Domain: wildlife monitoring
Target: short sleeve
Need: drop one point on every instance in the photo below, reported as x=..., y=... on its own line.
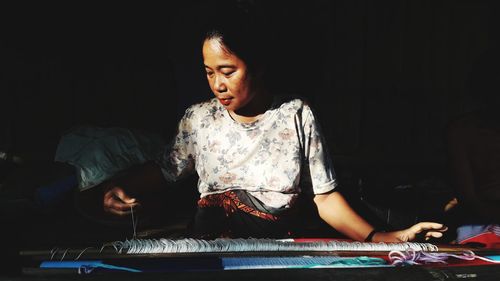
x=317, y=161
x=177, y=160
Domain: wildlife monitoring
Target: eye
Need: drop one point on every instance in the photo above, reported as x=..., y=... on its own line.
x=228, y=73
x=210, y=73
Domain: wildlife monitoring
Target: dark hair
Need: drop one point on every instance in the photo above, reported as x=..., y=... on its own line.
x=237, y=26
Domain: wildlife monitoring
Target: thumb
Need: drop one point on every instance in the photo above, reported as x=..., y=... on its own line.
x=120, y=194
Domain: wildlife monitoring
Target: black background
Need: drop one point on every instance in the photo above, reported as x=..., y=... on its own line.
x=385, y=77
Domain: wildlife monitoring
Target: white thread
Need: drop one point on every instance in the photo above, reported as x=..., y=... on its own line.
x=64, y=254
x=152, y=246
x=106, y=245
x=81, y=253
x=134, y=225
x=53, y=252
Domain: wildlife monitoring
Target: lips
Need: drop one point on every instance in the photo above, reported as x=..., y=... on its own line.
x=225, y=101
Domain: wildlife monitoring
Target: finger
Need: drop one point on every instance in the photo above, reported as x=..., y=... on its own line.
x=114, y=204
x=118, y=212
x=434, y=234
x=118, y=205
x=111, y=203
x=443, y=229
x=430, y=225
x=416, y=229
x=120, y=194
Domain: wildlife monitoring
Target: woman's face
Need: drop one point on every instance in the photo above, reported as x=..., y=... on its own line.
x=227, y=76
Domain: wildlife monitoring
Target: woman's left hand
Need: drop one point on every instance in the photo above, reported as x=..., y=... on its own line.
x=425, y=230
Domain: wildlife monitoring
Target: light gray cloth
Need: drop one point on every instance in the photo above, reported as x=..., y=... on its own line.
x=100, y=153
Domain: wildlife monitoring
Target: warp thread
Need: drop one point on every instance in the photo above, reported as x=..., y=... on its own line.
x=189, y=245
x=134, y=222
x=54, y=251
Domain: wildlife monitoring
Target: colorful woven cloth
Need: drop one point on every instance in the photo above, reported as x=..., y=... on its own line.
x=487, y=235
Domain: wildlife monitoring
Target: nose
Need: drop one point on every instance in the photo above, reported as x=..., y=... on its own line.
x=219, y=85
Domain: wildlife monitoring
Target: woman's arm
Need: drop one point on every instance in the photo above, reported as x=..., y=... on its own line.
x=334, y=210
x=176, y=162
x=122, y=193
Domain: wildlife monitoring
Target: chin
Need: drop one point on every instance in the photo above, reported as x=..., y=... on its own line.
x=233, y=107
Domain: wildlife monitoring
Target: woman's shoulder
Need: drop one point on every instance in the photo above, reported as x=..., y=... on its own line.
x=295, y=106
x=290, y=102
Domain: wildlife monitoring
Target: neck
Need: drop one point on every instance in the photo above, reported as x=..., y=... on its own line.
x=254, y=110
x=244, y=119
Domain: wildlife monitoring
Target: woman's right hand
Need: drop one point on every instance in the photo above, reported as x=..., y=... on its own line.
x=117, y=201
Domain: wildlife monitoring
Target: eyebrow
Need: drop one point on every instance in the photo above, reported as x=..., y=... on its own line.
x=223, y=66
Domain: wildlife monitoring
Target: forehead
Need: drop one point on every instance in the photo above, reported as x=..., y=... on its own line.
x=215, y=54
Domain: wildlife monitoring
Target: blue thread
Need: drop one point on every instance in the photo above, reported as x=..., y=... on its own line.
x=299, y=262
x=84, y=266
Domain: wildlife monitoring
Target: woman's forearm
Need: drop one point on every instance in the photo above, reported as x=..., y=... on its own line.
x=336, y=211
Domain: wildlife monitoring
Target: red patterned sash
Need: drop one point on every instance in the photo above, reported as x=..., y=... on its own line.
x=230, y=202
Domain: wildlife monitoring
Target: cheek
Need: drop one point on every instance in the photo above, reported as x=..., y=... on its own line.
x=239, y=91
x=242, y=86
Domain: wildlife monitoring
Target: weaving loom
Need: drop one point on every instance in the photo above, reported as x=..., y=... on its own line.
x=191, y=247
x=169, y=256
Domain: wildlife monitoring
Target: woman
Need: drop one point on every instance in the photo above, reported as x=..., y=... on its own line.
x=255, y=153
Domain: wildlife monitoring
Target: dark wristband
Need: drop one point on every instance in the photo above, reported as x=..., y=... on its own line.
x=370, y=236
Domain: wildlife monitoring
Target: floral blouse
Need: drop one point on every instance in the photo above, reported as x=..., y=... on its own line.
x=274, y=158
